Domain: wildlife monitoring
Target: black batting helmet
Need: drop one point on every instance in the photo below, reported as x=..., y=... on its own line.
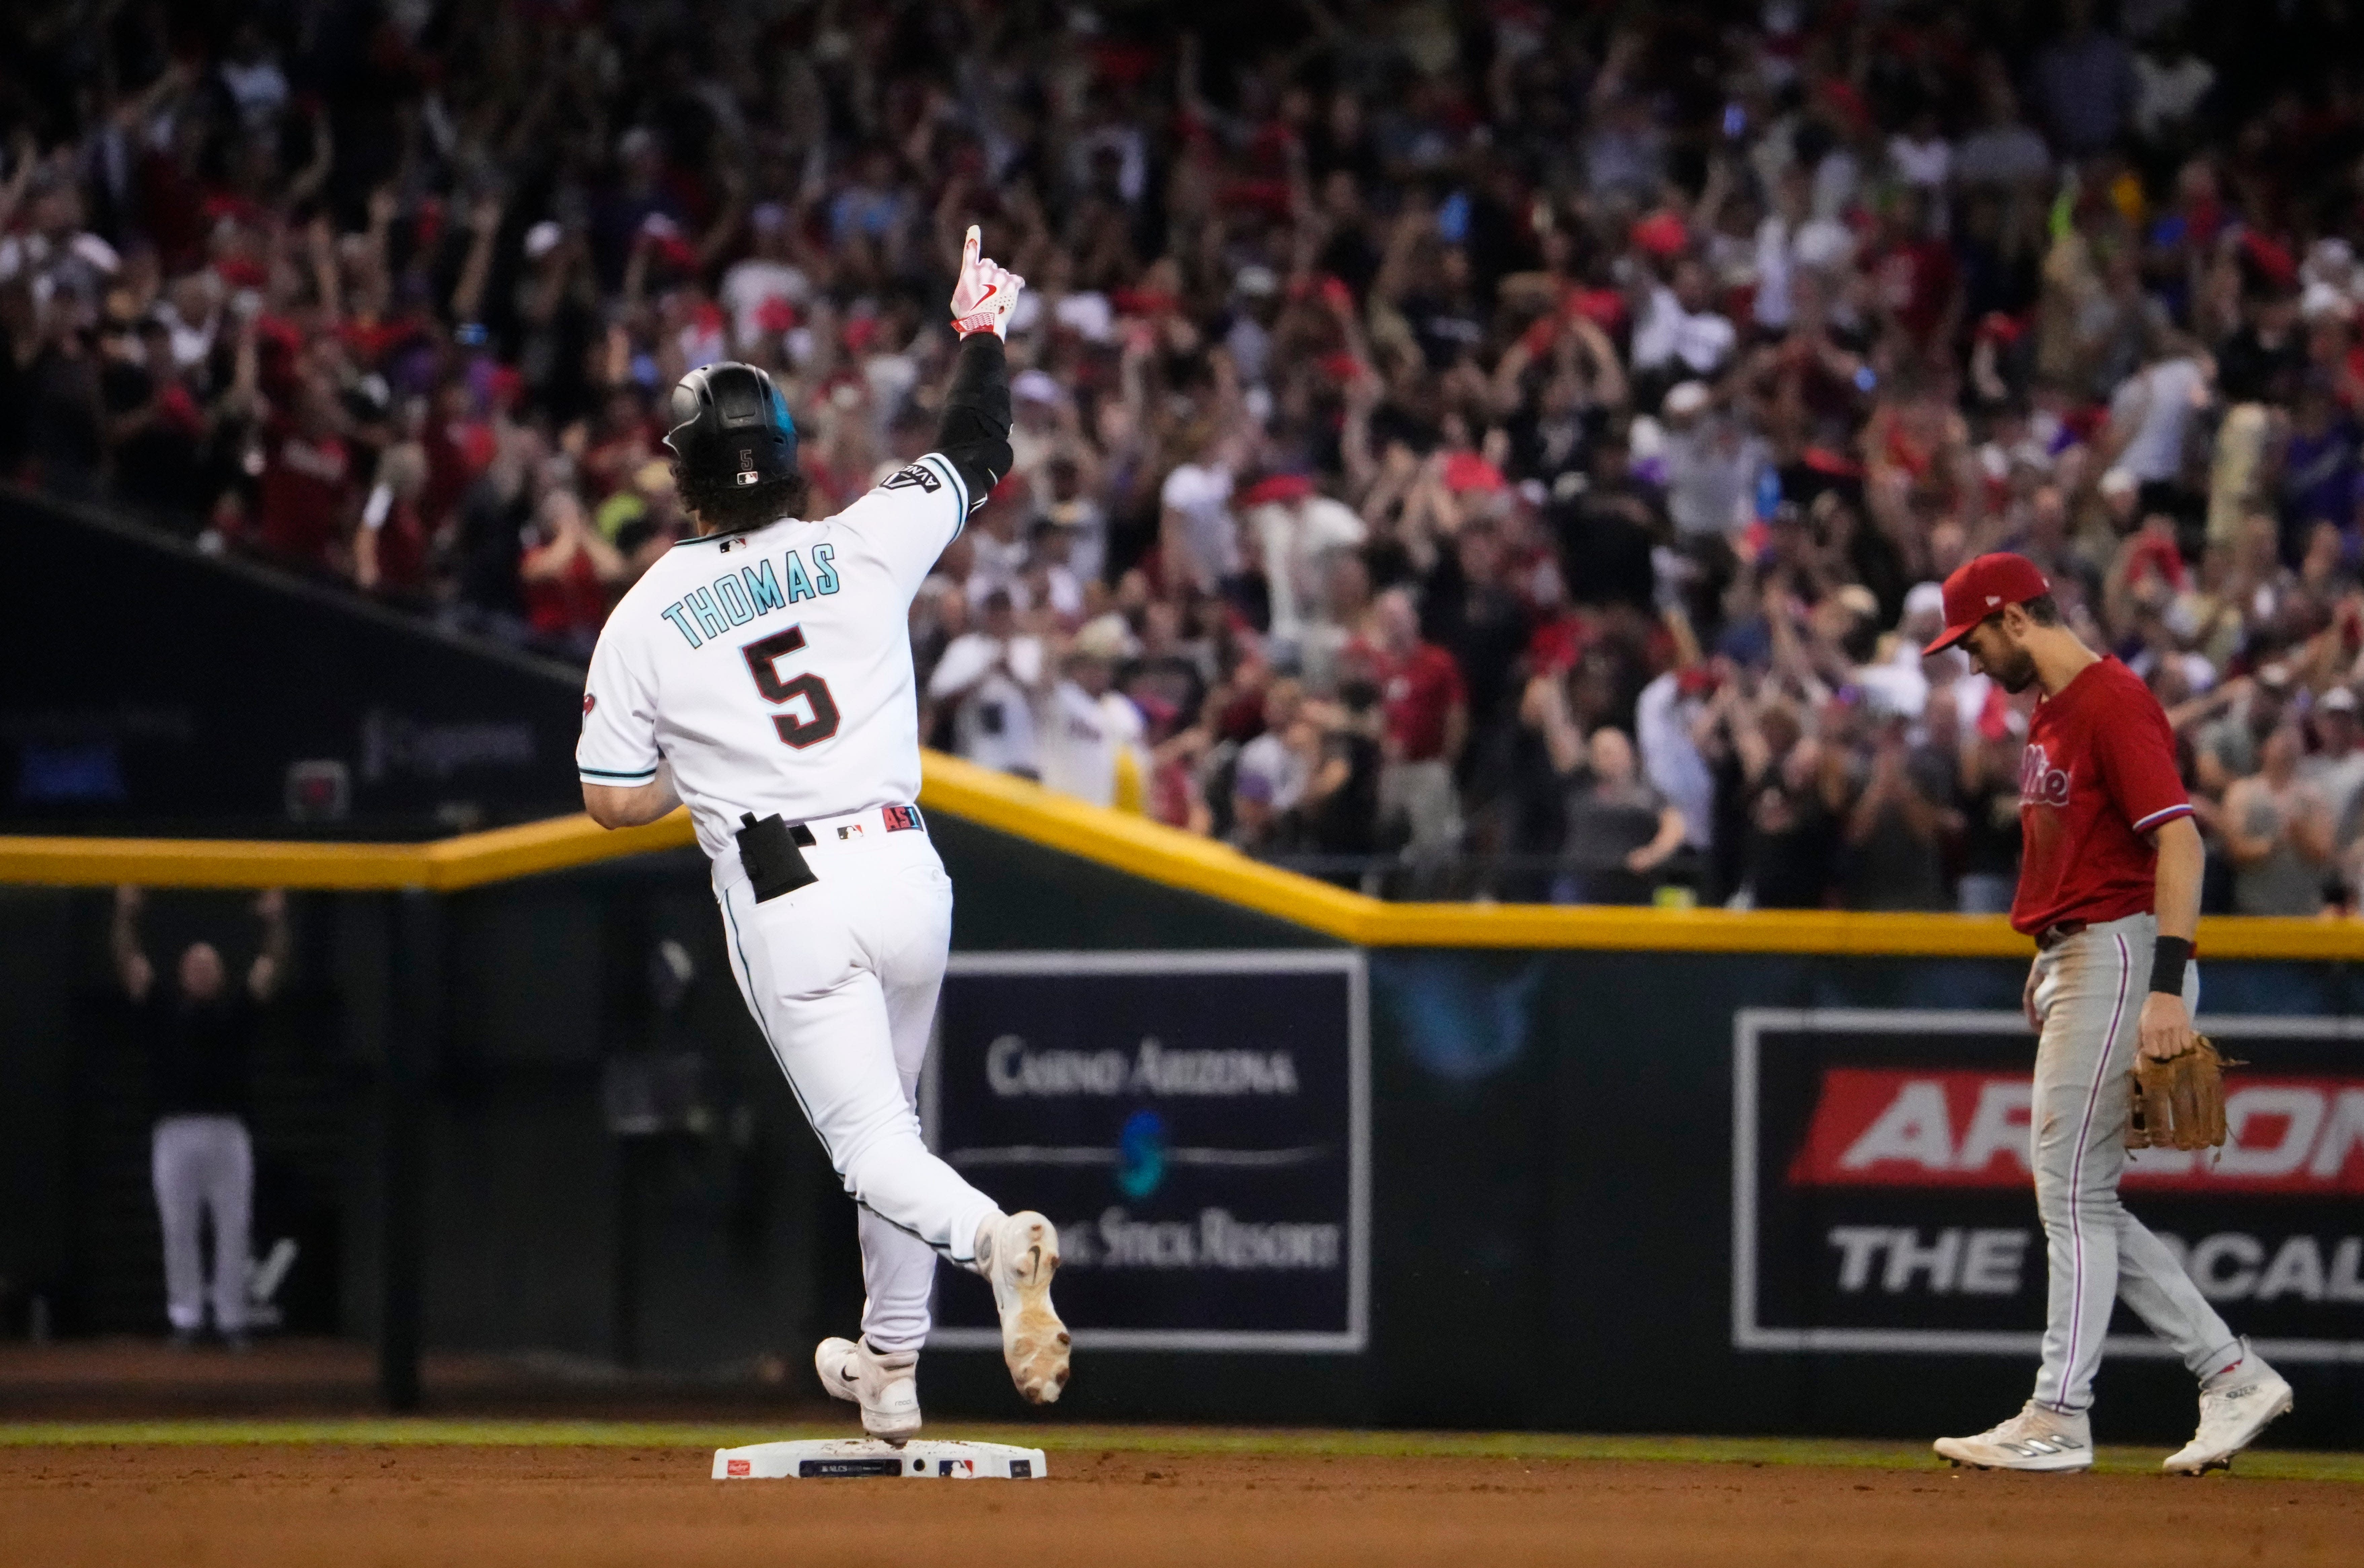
x=730, y=427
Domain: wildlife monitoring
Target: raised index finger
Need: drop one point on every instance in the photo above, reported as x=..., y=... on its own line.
x=969, y=249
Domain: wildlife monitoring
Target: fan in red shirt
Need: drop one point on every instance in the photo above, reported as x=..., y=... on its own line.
x=391, y=547
x=308, y=483
x=571, y=577
x=1425, y=701
x=1426, y=706
x=1914, y=278
x=2110, y=889
x=458, y=443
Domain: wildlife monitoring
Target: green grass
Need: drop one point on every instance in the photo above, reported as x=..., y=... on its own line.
x=2261, y=1464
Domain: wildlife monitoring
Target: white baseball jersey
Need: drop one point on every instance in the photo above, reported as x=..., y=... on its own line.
x=993, y=720
x=771, y=668
x=1085, y=740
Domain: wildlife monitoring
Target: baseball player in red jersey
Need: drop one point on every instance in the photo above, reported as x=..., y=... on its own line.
x=2109, y=887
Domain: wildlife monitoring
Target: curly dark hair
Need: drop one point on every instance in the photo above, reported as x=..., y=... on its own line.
x=727, y=507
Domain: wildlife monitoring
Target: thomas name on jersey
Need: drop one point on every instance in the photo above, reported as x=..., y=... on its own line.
x=737, y=597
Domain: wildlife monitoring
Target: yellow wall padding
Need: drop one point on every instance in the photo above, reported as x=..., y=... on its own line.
x=444, y=864
x=1127, y=842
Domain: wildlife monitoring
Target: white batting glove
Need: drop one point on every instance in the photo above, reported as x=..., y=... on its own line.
x=985, y=294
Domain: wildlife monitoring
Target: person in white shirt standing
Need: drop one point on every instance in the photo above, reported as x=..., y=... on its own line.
x=761, y=674
x=766, y=294
x=1297, y=529
x=2152, y=411
x=989, y=675
x=1091, y=734
x=1666, y=720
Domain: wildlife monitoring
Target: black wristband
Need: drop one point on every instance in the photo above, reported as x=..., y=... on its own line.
x=2167, y=962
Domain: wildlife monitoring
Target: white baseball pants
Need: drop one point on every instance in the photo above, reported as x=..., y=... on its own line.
x=199, y=1162
x=842, y=975
x=2089, y=993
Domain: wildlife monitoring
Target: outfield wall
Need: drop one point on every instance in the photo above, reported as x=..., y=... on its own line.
x=1593, y=1205
x=1551, y=1176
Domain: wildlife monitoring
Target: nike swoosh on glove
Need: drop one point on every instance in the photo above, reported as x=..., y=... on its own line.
x=986, y=293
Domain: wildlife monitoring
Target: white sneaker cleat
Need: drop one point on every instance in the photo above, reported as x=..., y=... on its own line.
x=2231, y=1418
x=2038, y=1438
x=885, y=1387
x=1018, y=1253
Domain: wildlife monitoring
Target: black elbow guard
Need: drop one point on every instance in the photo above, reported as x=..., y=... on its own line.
x=982, y=465
x=973, y=433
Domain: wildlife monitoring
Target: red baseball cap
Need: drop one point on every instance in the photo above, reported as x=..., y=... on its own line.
x=1277, y=487
x=1662, y=234
x=1979, y=588
x=1469, y=471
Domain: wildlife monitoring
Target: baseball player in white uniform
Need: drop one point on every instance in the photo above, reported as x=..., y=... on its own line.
x=761, y=675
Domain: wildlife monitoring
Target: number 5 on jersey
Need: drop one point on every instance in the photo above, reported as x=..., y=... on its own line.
x=763, y=657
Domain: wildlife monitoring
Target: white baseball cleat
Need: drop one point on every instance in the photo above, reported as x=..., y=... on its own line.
x=2038, y=1438
x=1019, y=1253
x=885, y=1387
x=2231, y=1418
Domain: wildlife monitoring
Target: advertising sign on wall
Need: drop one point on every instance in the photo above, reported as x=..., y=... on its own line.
x=1883, y=1200
x=1198, y=1126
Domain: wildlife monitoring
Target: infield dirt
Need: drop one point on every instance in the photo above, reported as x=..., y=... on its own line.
x=260, y=1505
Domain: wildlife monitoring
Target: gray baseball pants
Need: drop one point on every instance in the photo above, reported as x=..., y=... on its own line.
x=2089, y=993
x=200, y=1163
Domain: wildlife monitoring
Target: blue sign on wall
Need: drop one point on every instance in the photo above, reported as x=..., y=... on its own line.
x=1198, y=1126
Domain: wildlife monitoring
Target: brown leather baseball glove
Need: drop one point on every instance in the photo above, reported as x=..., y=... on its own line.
x=2178, y=1103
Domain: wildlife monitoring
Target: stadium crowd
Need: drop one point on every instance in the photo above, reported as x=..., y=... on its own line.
x=1471, y=449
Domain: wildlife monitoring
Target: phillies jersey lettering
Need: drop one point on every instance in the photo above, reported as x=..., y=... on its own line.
x=2039, y=781
x=2098, y=774
x=771, y=668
